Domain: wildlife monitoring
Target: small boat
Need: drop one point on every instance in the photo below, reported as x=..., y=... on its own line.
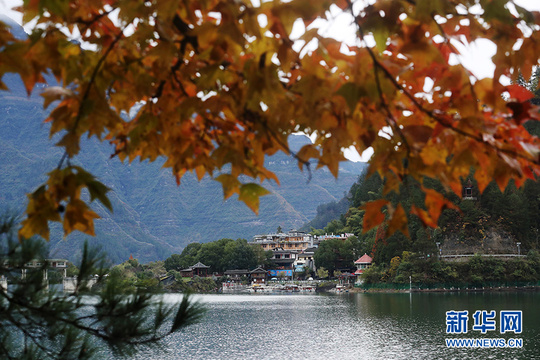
x=340, y=289
x=290, y=288
x=261, y=288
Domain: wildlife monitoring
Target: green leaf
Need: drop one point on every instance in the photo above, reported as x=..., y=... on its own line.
x=229, y=183
x=380, y=34
x=351, y=93
x=496, y=9
x=188, y=313
x=99, y=191
x=250, y=193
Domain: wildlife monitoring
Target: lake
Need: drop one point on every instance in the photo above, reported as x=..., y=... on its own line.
x=348, y=326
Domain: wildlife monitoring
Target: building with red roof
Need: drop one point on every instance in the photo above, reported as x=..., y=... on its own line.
x=362, y=264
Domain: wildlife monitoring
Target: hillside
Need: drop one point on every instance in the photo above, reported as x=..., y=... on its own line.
x=152, y=216
x=493, y=222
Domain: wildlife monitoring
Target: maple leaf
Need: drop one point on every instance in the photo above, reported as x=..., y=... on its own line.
x=373, y=215
x=398, y=221
x=78, y=216
x=230, y=184
x=250, y=194
x=64, y=187
x=53, y=93
x=215, y=87
x=424, y=216
x=520, y=111
x=41, y=209
x=519, y=93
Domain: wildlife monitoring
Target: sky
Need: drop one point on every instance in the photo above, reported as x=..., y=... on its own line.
x=476, y=57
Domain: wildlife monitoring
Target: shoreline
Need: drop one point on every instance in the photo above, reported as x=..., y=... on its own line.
x=443, y=290
x=355, y=290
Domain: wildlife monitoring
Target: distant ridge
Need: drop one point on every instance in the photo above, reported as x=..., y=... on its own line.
x=152, y=216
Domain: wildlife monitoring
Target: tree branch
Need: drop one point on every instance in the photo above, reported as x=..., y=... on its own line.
x=431, y=114
x=89, y=86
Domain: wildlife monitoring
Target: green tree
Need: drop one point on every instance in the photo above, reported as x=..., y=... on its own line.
x=328, y=212
x=39, y=323
x=334, y=227
x=367, y=188
x=333, y=254
x=187, y=258
x=173, y=262
x=214, y=254
x=352, y=249
x=327, y=254
x=262, y=257
x=72, y=270
x=240, y=255
x=394, y=265
x=322, y=273
x=354, y=218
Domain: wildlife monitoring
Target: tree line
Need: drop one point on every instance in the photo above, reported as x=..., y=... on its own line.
x=218, y=89
x=515, y=212
x=220, y=255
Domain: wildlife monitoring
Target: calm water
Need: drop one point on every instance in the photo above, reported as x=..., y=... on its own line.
x=351, y=326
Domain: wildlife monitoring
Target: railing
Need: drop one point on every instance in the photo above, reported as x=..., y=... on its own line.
x=486, y=285
x=233, y=287
x=482, y=255
x=70, y=283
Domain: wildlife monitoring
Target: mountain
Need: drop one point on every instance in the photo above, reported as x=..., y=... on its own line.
x=152, y=216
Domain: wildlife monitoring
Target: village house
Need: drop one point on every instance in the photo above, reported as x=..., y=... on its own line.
x=258, y=276
x=305, y=259
x=362, y=264
x=293, y=240
x=46, y=264
x=236, y=276
x=319, y=238
x=51, y=263
x=199, y=269
x=284, y=259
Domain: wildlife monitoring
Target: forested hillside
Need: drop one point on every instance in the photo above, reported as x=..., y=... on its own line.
x=153, y=217
x=489, y=223
x=492, y=222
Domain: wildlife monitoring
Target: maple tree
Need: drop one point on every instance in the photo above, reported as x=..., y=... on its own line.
x=219, y=84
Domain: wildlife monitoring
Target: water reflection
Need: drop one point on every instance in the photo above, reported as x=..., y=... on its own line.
x=353, y=326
